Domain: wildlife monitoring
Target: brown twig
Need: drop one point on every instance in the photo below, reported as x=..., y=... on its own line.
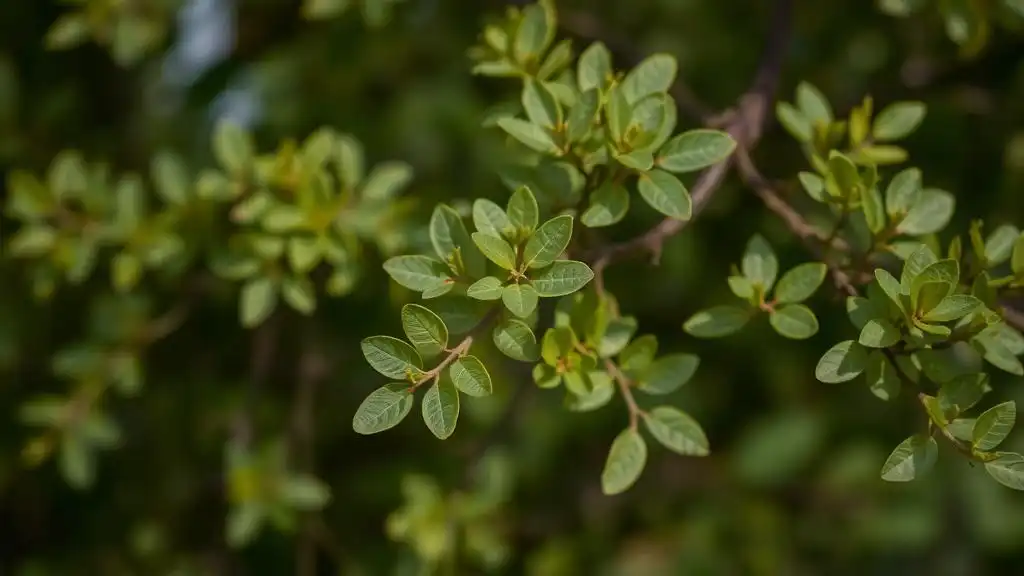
x=745, y=124
x=625, y=387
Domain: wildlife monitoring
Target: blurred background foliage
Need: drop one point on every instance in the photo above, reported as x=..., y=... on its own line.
x=792, y=484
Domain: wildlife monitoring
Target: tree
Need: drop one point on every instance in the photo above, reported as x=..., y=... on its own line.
x=182, y=320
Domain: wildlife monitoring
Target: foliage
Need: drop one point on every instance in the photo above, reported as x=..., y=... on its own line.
x=457, y=300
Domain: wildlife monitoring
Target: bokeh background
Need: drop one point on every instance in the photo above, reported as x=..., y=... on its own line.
x=792, y=485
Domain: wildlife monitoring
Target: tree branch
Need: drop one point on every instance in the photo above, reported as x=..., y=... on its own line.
x=745, y=124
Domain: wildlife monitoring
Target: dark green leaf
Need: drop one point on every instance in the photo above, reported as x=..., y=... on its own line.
x=668, y=373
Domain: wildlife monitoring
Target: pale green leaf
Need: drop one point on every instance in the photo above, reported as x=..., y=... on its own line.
x=470, y=376
x=257, y=300
x=496, y=250
x=530, y=135
x=561, y=278
x=677, y=431
x=608, y=205
x=794, y=321
x=392, y=357
x=520, y=299
x=425, y=330
x=490, y=219
x=695, y=149
x=420, y=273
x=523, y=211
x=902, y=192
x=717, y=321
x=800, y=282
x=625, y=463
x=879, y=333
x=843, y=362
x=441, y=408
x=548, y=242
x=1008, y=470
x=994, y=424
x=668, y=373
x=897, y=120
x=540, y=104
x=515, y=339
x=911, y=459
x=759, y=263
x=929, y=214
x=655, y=74
x=486, y=288
x=666, y=194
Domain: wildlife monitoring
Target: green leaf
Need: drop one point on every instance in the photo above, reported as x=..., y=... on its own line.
x=243, y=524
x=77, y=462
x=911, y=459
x=843, y=362
x=794, y=321
x=546, y=376
x=638, y=356
x=496, y=250
x=953, y=308
x=532, y=35
x=520, y=299
x=470, y=376
x=625, y=463
x=874, y=213
x=933, y=284
x=890, y=286
x=618, y=113
x=608, y=205
x=541, y=107
x=486, y=288
x=448, y=233
x=999, y=244
x=617, y=335
x=515, y=340
x=392, y=357
x=992, y=427
x=304, y=492
x=800, y=282
x=666, y=194
x=299, y=293
x=258, y=299
x=641, y=160
x=903, y=192
x=716, y=322
x=883, y=380
x=581, y=118
x=1017, y=260
x=759, y=263
x=425, y=330
x=861, y=310
x=655, y=74
x=441, y=408
x=962, y=392
x=897, y=120
x=695, y=149
x=602, y=391
x=523, y=211
x=812, y=104
x=170, y=178
x=68, y=31
x=32, y=241
x=794, y=121
x=420, y=273
x=879, y=333
x=561, y=278
x=668, y=373
x=548, y=242
x=594, y=67
x=386, y=180
x=677, y=431
x=929, y=214
x=813, y=184
x=1008, y=470
x=845, y=173
x=490, y=219
x=741, y=286
x=918, y=260
x=232, y=146
x=303, y=253
x=530, y=135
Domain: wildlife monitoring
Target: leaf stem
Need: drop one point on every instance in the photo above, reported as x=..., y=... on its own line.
x=459, y=351
x=624, y=386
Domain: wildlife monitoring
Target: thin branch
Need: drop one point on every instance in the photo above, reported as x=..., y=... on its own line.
x=745, y=124
x=625, y=387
